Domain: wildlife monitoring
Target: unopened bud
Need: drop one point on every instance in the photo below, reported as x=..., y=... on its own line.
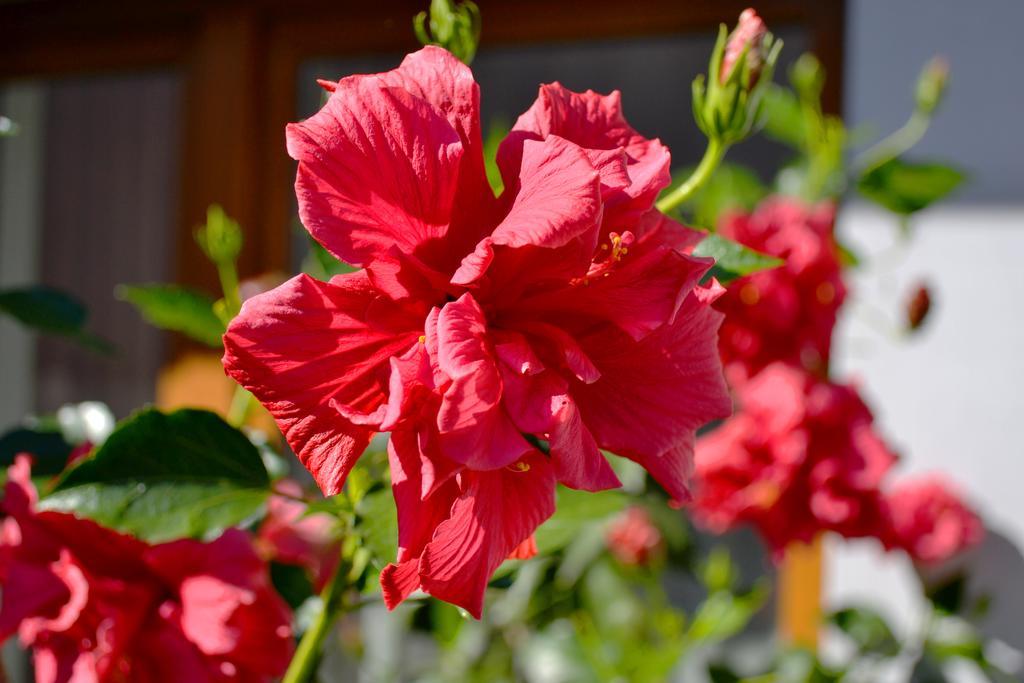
x=727, y=104
x=221, y=238
x=931, y=84
x=918, y=306
x=453, y=26
x=633, y=538
x=748, y=36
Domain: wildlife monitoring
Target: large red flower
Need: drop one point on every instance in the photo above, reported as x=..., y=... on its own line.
x=95, y=605
x=930, y=521
x=800, y=456
x=785, y=313
x=560, y=311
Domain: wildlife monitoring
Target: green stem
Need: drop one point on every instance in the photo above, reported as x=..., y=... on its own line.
x=713, y=156
x=307, y=656
x=895, y=144
x=229, y=283
x=241, y=404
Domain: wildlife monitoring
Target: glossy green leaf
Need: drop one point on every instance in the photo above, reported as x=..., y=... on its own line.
x=175, y=308
x=906, y=188
x=378, y=524
x=163, y=476
x=867, y=629
x=732, y=259
x=51, y=311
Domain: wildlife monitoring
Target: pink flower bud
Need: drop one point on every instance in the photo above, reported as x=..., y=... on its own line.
x=750, y=30
x=918, y=306
x=633, y=539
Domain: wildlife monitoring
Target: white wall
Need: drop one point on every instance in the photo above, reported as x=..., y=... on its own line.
x=950, y=398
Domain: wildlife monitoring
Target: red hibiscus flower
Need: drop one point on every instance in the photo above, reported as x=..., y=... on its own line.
x=930, y=521
x=786, y=313
x=800, y=456
x=560, y=311
x=95, y=605
x=633, y=538
x=291, y=536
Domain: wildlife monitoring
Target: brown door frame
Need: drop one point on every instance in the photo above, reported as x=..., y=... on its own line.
x=240, y=60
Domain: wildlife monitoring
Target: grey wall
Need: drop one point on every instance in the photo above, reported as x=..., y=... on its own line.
x=980, y=123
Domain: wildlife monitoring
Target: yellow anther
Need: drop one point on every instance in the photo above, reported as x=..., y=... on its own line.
x=519, y=467
x=423, y=339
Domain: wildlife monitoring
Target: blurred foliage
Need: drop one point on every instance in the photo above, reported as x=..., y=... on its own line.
x=51, y=311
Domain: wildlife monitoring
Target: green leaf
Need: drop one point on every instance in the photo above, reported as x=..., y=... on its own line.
x=51, y=311
x=164, y=476
x=378, y=524
x=948, y=596
x=292, y=583
x=49, y=449
x=732, y=259
x=171, y=307
x=784, y=117
x=867, y=629
x=725, y=614
x=954, y=638
x=574, y=510
x=496, y=133
x=321, y=264
x=906, y=188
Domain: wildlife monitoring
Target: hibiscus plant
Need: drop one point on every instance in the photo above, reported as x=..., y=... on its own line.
x=513, y=378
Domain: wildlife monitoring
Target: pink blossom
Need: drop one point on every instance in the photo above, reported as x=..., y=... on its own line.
x=786, y=313
x=800, y=456
x=633, y=538
x=748, y=35
x=97, y=606
x=561, y=311
x=930, y=521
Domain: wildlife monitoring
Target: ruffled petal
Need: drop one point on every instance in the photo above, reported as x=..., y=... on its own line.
x=424, y=490
x=436, y=76
x=557, y=206
x=308, y=343
x=474, y=429
x=639, y=295
x=377, y=167
x=653, y=394
x=494, y=514
x=594, y=121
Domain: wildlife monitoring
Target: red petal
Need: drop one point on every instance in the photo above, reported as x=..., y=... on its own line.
x=377, y=167
x=639, y=294
x=653, y=394
x=557, y=205
x=595, y=122
x=475, y=430
x=307, y=343
x=496, y=512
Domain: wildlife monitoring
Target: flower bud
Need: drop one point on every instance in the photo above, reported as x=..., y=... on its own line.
x=917, y=308
x=727, y=104
x=748, y=36
x=633, y=538
x=931, y=84
x=453, y=26
x=221, y=237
